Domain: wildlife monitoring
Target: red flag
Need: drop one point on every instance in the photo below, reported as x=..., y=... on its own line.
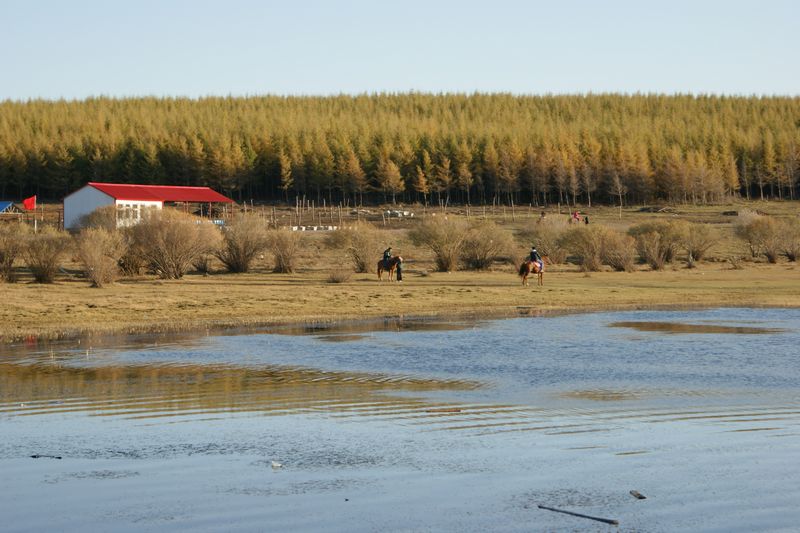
x=29, y=203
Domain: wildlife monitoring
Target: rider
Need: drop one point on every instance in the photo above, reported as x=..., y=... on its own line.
x=536, y=257
x=387, y=255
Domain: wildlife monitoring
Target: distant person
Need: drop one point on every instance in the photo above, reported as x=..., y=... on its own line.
x=387, y=255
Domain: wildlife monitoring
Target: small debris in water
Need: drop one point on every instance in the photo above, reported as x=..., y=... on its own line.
x=604, y=520
x=38, y=456
x=638, y=495
x=276, y=464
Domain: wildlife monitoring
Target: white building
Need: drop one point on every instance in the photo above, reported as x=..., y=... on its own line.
x=132, y=201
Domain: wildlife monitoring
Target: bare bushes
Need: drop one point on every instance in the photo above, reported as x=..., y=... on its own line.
x=284, y=245
x=103, y=217
x=243, y=239
x=762, y=235
x=339, y=275
x=12, y=244
x=547, y=235
x=657, y=242
x=44, y=251
x=586, y=244
x=99, y=251
x=361, y=243
x=596, y=245
x=133, y=259
x=485, y=242
x=169, y=242
x=770, y=237
x=618, y=251
x=790, y=243
x=697, y=240
x=444, y=237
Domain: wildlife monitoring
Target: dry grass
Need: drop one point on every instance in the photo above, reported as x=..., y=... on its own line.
x=68, y=307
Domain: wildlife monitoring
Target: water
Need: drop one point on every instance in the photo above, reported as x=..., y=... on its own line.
x=411, y=425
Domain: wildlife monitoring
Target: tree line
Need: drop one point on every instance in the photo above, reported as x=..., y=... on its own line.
x=448, y=148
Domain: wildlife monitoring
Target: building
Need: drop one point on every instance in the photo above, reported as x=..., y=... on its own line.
x=132, y=201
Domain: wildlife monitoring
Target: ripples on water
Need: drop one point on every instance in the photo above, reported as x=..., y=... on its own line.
x=442, y=375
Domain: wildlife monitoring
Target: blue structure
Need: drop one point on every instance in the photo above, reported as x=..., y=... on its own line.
x=6, y=206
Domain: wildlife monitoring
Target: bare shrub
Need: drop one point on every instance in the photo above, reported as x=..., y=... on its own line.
x=657, y=242
x=44, y=251
x=103, y=217
x=697, y=240
x=546, y=234
x=284, y=245
x=362, y=242
x=586, y=244
x=99, y=251
x=169, y=241
x=202, y=263
x=133, y=260
x=244, y=238
x=762, y=235
x=485, y=243
x=444, y=237
x=618, y=250
x=12, y=243
x=790, y=238
x=339, y=275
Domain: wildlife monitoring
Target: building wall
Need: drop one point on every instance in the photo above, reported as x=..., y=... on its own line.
x=130, y=212
x=82, y=202
x=85, y=200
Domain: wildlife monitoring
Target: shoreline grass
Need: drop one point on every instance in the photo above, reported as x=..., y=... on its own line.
x=68, y=309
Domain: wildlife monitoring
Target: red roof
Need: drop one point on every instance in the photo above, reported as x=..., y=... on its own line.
x=160, y=193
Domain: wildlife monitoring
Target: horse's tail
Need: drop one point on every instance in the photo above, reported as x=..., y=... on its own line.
x=523, y=268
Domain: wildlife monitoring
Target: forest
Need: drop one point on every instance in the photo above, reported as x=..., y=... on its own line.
x=609, y=149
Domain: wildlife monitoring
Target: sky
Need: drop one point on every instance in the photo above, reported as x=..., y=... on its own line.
x=79, y=48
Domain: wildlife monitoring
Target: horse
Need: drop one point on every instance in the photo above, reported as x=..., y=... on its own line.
x=531, y=267
x=388, y=266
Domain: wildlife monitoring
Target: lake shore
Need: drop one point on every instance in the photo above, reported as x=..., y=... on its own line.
x=68, y=309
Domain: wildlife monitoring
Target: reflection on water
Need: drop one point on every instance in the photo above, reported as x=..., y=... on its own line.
x=602, y=395
x=674, y=327
x=372, y=326
x=173, y=390
x=341, y=338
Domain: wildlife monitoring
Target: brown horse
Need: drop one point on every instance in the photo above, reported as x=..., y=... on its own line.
x=390, y=268
x=531, y=267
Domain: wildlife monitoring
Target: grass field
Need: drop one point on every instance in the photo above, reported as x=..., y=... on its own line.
x=69, y=307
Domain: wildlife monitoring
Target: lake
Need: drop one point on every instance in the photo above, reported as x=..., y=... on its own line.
x=413, y=425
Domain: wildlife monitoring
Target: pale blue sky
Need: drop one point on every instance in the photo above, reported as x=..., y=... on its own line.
x=74, y=49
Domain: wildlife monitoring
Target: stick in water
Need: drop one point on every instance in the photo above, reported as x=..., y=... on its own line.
x=604, y=520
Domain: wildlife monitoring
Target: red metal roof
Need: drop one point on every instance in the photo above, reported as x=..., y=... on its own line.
x=161, y=193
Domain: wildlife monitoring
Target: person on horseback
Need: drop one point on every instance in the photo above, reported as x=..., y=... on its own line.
x=387, y=256
x=535, y=257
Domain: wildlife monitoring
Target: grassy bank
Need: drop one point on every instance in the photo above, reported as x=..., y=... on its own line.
x=69, y=307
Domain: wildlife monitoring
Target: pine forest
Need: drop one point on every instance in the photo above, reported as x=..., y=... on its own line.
x=436, y=148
